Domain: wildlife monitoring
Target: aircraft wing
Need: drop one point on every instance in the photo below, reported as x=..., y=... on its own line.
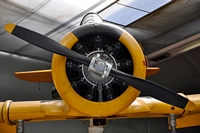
x=142, y=107
x=45, y=75
x=35, y=76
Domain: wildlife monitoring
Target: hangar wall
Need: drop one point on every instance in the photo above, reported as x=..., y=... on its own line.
x=16, y=89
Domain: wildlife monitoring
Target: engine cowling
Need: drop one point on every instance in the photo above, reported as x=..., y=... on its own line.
x=85, y=91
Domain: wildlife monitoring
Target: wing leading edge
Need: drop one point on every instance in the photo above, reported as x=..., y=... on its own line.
x=142, y=107
x=45, y=75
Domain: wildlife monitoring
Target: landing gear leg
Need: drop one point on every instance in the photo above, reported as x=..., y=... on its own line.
x=172, y=123
x=20, y=126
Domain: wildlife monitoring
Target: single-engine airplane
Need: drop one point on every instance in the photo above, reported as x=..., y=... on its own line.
x=98, y=70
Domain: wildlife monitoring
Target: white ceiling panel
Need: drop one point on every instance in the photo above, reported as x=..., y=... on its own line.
x=55, y=13
x=36, y=52
x=59, y=34
x=10, y=43
x=15, y=11
x=27, y=4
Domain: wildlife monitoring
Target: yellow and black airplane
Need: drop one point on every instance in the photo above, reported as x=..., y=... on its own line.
x=98, y=70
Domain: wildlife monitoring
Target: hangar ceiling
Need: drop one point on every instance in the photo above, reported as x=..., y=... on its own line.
x=51, y=18
x=165, y=27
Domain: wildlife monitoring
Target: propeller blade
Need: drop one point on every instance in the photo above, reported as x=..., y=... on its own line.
x=159, y=92
x=155, y=90
x=45, y=43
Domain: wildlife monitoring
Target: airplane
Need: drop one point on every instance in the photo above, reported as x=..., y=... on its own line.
x=98, y=70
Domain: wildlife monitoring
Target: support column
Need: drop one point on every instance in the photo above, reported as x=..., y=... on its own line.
x=94, y=129
x=172, y=123
x=20, y=126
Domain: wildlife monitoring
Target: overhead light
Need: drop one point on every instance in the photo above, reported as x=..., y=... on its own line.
x=125, y=12
x=144, y=5
x=174, y=50
x=121, y=15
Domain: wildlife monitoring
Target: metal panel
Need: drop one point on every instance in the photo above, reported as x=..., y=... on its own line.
x=16, y=11
x=10, y=43
x=16, y=89
x=37, y=52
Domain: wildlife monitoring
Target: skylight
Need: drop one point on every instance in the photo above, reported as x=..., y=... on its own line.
x=125, y=12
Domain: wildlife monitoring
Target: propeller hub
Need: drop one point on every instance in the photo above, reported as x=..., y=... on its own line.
x=94, y=75
x=100, y=66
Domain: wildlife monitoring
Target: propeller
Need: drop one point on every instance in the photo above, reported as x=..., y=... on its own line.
x=159, y=92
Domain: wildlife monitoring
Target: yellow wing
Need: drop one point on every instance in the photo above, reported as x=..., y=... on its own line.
x=142, y=107
x=5, y=128
x=35, y=76
x=45, y=75
x=152, y=71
